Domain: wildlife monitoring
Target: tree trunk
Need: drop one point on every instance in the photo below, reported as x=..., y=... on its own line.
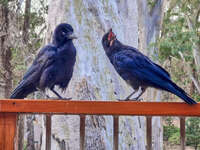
x=94, y=77
x=26, y=21
x=5, y=52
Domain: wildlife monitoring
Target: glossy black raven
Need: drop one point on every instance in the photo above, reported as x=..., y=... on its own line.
x=53, y=65
x=138, y=70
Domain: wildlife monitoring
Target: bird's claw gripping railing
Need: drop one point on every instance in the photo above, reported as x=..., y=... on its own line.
x=10, y=109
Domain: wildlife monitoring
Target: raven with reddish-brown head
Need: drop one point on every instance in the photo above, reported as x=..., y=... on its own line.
x=53, y=65
x=138, y=70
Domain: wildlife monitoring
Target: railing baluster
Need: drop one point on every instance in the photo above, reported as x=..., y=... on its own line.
x=8, y=131
x=82, y=132
x=182, y=130
x=48, y=132
x=115, y=132
x=149, y=132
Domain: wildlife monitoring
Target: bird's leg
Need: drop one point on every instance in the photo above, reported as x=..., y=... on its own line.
x=60, y=97
x=143, y=90
x=47, y=96
x=139, y=121
x=128, y=97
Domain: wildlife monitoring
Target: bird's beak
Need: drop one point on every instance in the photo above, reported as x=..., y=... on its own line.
x=72, y=36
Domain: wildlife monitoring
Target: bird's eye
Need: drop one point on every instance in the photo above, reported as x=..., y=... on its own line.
x=63, y=33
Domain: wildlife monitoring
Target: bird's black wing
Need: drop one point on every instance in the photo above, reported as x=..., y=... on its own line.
x=44, y=58
x=31, y=78
x=140, y=67
x=162, y=70
x=138, y=53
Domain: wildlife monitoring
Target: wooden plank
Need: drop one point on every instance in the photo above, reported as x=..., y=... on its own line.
x=116, y=132
x=100, y=107
x=82, y=132
x=149, y=132
x=8, y=131
x=48, y=132
x=182, y=128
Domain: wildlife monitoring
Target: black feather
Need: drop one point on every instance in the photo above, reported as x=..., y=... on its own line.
x=138, y=70
x=53, y=65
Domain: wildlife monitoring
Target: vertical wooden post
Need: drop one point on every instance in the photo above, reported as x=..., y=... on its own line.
x=82, y=132
x=149, y=132
x=182, y=136
x=8, y=126
x=48, y=132
x=115, y=132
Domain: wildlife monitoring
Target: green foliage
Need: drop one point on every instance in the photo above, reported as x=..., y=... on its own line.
x=180, y=33
x=171, y=133
x=151, y=3
x=25, y=146
x=174, y=139
x=4, y=2
x=193, y=132
x=176, y=33
x=196, y=97
x=177, y=39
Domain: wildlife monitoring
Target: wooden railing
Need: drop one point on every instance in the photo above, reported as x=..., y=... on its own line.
x=10, y=109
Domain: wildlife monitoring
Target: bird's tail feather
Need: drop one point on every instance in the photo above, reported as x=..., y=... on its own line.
x=181, y=93
x=22, y=90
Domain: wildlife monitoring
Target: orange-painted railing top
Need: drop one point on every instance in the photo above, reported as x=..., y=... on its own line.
x=100, y=107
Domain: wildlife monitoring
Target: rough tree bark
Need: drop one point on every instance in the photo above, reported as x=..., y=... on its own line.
x=26, y=21
x=5, y=51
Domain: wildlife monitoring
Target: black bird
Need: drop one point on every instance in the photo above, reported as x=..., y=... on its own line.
x=138, y=70
x=53, y=65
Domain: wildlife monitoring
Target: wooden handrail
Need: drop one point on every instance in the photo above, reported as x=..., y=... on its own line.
x=9, y=110
x=100, y=107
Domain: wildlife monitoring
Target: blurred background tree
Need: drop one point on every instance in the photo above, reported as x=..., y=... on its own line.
x=179, y=52
x=22, y=24
x=22, y=28
x=179, y=44
x=193, y=132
